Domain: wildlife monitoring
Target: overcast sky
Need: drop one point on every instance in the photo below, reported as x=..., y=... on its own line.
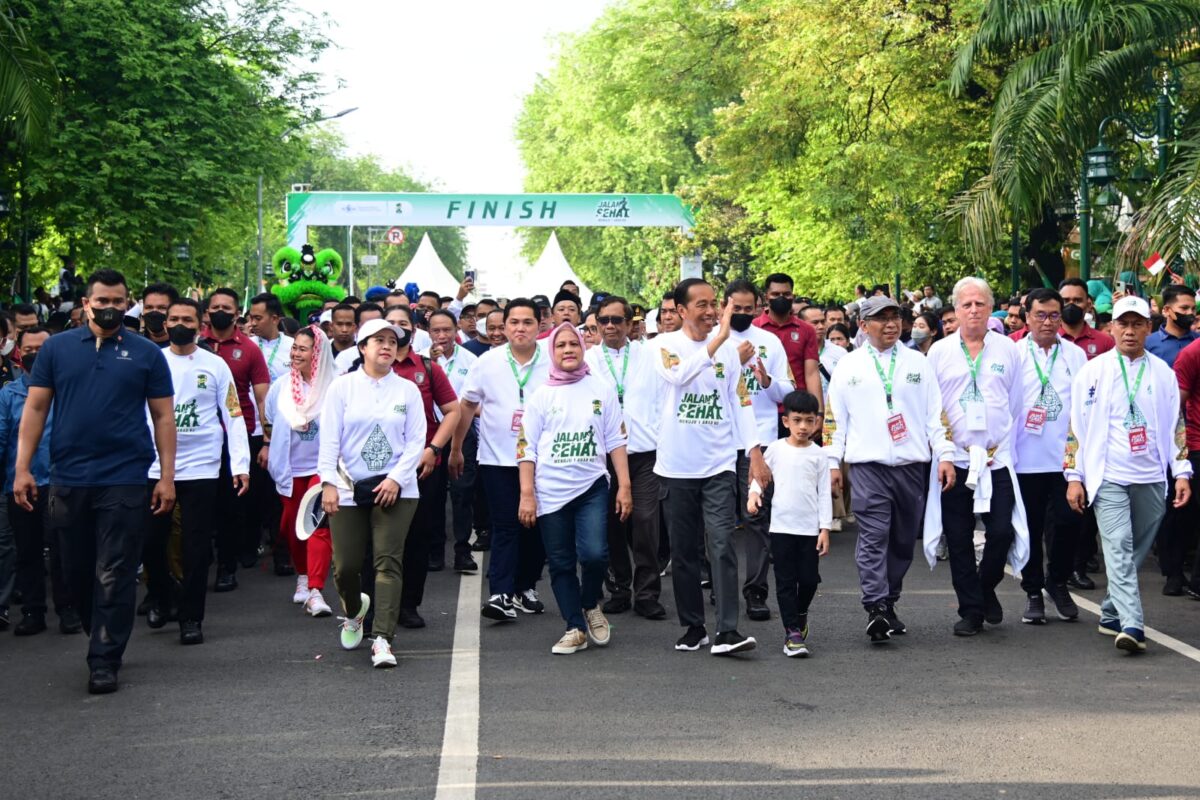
x=438, y=86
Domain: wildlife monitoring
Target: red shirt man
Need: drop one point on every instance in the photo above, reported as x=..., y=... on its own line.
x=1075, y=293
x=1187, y=371
x=798, y=337
x=241, y=353
x=433, y=384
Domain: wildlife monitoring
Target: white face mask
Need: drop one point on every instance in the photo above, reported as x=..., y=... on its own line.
x=6, y=348
x=1089, y=319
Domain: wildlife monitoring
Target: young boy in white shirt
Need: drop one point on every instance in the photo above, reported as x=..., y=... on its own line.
x=801, y=515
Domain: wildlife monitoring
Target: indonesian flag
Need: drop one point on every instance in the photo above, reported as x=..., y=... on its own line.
x=1155, y=264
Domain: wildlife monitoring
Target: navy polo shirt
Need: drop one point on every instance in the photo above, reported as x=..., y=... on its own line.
x=100, y=435
x=1166, y=346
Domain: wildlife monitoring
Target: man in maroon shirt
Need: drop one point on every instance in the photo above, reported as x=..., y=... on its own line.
x=429, y=521
x=798, y=337
x=240, y=532
x=1076, y=303
x=1171, y=552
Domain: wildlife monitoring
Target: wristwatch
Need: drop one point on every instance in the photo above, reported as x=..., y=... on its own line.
x=437, y=451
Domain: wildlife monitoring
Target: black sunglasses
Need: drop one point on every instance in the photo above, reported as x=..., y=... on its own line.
x=610, y=320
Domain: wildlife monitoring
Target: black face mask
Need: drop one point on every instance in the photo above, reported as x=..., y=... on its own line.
x=220, y=320
x=780, y=305
x=181, y=335
x=109, y=319
x=155, y=321
x=740, y=322
x=1185, y=321
x=27, y=362
x=1072, y=314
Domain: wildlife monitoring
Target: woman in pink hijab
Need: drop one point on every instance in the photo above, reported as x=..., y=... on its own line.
x=571, y=426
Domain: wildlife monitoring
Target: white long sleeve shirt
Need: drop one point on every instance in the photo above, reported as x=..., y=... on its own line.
x=567, y=433
x=206, y=405
x=998, y=382
x=706, y=414
x=637, y=387
x=293, y=453
x=802, y=504
x=456, y=368
x=375, y=427
x=1043, y=451
x=765, y=401
x=858, y=400
x=492, y=384
x=277, y=353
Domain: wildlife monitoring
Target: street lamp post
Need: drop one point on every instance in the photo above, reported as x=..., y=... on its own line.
x=259, y=254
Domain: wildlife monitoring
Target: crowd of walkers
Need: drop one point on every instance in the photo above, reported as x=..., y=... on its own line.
x=146, y=437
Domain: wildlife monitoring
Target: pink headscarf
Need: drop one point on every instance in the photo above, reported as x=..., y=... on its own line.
x=562, y=377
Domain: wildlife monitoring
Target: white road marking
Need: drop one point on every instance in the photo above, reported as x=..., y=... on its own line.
x=1170, y=642
x=460, y=741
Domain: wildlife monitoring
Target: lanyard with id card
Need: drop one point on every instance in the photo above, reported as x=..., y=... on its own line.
x=1035, y=418
x=620, y=382
x=972, y=399
x=1135, y=422
x=519, y=414
x=897, y=428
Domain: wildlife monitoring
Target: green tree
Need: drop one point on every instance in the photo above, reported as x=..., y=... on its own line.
x=28, y=82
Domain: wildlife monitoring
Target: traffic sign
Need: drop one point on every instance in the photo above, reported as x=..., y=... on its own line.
x=369, y=261
x=394, y=236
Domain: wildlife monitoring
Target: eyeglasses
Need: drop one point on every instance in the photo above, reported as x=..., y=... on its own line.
x=590, y=329
x=1043, y=316
x=610, y=320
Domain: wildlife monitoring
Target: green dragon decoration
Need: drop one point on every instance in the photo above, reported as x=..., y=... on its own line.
x=306, y=280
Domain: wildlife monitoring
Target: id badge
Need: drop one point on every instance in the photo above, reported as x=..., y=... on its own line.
x=976, y=415
x=1139, y=443
x=897, y=428
x=1035, y=421
x=516, y=420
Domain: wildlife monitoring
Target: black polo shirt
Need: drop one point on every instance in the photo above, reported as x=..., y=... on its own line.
x=100, y=435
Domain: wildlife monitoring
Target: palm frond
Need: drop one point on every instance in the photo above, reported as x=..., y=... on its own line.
x=28, y=83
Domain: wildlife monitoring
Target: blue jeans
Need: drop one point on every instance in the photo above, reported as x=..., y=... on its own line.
x=515, y=561
x=578, y=533
x=1128, y=518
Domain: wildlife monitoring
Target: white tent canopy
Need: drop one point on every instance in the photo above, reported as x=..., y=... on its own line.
x=428, y=272
x=550, y=271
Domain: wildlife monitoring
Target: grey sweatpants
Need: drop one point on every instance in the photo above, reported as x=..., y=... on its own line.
x=889, y=503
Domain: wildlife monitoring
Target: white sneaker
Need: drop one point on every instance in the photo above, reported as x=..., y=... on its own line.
x=301, y=595
x=572, y=641
x=315, y=605
x=836, y=527
x=381, y=653
x=352, y=632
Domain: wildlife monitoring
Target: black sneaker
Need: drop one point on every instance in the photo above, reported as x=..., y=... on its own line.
x=1194, y=594
x=1080, y=580
x=756, y=608
x=650, y=609
x=465, y=564
x=500, y=608
x=993, y=612
x=483, y=541
x=730, y=642
x=103, y=680
x=1174, y=586
x=69, y=622
x=1064, y=604
x=3, y=619
x=878, y=627
x=1035, y=610
x=190, y=633
x=617, y=604
x=409, y=618
x=226, y=582
x=694, y=639
x=30, y=625
x=968, y=627
x=898, y=627
x=527, y=601
x=435, y=564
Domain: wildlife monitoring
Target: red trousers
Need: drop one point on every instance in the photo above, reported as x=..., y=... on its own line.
x=312, y=557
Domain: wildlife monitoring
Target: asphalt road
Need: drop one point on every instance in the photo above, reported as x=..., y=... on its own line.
x=270, y=706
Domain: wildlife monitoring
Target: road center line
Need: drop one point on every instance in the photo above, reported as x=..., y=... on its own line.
x=460, y=741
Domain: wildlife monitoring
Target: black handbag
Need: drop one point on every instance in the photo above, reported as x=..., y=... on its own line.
x=364, y=490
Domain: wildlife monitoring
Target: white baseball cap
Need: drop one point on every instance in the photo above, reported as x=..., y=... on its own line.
x=326, y=316
x=1131, y=305
x=374, y=326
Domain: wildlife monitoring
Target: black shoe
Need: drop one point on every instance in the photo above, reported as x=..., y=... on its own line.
x=1035, y=610
x=878, y=626
x=1093, y=564
x=144, y=606
x=465, y=564
x=695, y=638
x=3, y=619
x=409, y=618
x=968, y=627
x=731, y=642
x=993, y=612
x=617, y=604
x=103, y=680
x=650, y=609
x=898, y=627
x=756, y=608
x=483, y=541
x=190, y=633
x=1080, y=580
x=1194, y=594
x=435, y=564
x=249, y=560
x=155, y=617
x=226, y=582
x=284, y=569
x=1064, y=604
x=1174, y=586
x=30, y=625
x=69, y=622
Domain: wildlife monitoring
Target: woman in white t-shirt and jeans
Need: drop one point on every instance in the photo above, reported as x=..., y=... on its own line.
x=570, y=425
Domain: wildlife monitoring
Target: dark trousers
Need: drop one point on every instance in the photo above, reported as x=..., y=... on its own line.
x=889, y=503
x=100, y=530
x=637, y=577
x=421, y=535
x=462, y=496
x=1044, y=495
x=755, y=529
x=972, y=583
x=796, y=576
x=197, y=502
x=700, y=511
x=575, y=541
x=239, y=528
x=1178, y=531
x=30, y=533
x=517, y=553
